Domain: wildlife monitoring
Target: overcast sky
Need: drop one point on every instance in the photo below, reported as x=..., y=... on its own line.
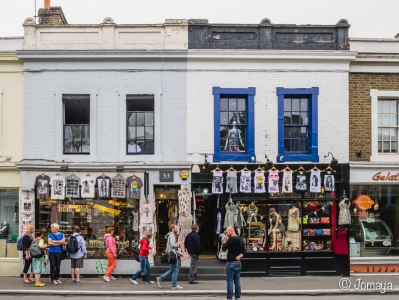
x=368, y=18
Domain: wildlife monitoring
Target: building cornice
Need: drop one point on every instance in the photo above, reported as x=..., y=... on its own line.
x=8, y=56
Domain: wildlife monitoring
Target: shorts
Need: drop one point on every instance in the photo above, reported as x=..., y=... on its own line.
x=77, y=263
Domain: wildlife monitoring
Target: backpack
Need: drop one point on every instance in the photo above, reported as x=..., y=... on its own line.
x=35, y=250
x=73, y=244
x=20, y=245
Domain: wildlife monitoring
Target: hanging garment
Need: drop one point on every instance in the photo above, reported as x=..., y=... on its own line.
x=329, y=183
x=301, y=185
x=240, y=218
x=344, y=212
x=103, y=184
x=147, y=211
x=315, y=181
x=118, y=188
x=222, y=254
x=185, y=218
x=133, y=188
x=229, y=218
x=72, y=187
x=259, y=181
x=42, y=184
x=231, y=182
x=58, y=187
x=135, y=221
x=287, y=182
x=88, y=186
x=273, y=181
x=293, y=219
x=27, y=205
x=219, y=223
x=245, y=182
x=341, y=246
x=217, y=182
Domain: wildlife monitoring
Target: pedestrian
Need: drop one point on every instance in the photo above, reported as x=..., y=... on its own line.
x=111, y=253
x=55, y=240
x=193, y=245
x=38, y=265
x=171, y=245
x=77, y=257
x=27, y=241
x=145, y=248
x=236, y=251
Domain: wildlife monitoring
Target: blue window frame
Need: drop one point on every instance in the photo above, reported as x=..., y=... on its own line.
x=298, y=124
x=234, y=127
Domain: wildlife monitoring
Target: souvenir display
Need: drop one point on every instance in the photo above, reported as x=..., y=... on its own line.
x=185, y=218
x=58, y=187
x=231, y=181
x=245, y=181
x=217, y=182
x=147, y=211
x=252, y=213
x=287, y=182
x=273, y=181
x=315, y=181
x=259, y=181
x=230, y=211
x=27, y=205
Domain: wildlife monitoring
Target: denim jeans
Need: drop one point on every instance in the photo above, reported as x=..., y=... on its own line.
x=174, y=270
x=144, y=265
x=55, y=264
x=233, y=270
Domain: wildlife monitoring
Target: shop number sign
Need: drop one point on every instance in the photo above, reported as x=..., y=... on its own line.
x=166, y=176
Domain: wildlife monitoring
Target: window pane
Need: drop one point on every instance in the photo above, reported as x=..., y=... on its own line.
x=85, y=147
x=147, y=146
x=304, y=118
x=386, y=148
x=76, y=132
x=387, y=107
x=295, y=132
x=394, y=106
x=394, y=134
x=295, y=118
x=223, y=145
x=232, y=104
x=233, y=118
x=385, y=134
x=304, y=146
x=133, y=147
x=68, y=132
x=287, y=145
x=149, y=132
x=149, y=119
x=303, y=132
x=140, y=118
x=379, y=146
x=287, y=132
x=241, y=104
x=69, y=146
x=131, y=134
x=387, y=119
x=287, y=104
x=132, y=119
x=224, y=104
x=379, y=134
x=380, y=119
x=295, y=104
x=287, y=118
x=140, y=132
x=85, y=131
x=224, y=118
x=223, y=131
x=241, y=118
x=304, y=104
x=394, y=119
x=394, y=147
x=380, y=105
x=295, y=145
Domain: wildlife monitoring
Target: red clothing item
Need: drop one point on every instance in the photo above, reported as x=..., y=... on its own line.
x=144, y=247
x=341, y=246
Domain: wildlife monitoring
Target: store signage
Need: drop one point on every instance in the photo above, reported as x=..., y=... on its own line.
x=184, y=174
x=364, y=202
x=69, y=207
x=166, y=176
x=378, y=176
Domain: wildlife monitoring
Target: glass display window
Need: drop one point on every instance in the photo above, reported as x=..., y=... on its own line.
x=9, y=216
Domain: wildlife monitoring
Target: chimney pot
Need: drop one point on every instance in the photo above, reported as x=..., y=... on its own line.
x=46, y=3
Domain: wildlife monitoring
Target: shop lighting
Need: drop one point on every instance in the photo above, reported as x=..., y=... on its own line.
x=64, y=168
x=119, y=168
x=269, y=163
x=206, y=163
x=205, y=191
x=334, y=161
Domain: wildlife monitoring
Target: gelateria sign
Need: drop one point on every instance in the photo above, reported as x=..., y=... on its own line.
x=380, y=176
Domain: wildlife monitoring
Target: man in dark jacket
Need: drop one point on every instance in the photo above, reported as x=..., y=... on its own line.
x=193, y=245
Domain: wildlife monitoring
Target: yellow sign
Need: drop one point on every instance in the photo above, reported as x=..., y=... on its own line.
x=184, y=174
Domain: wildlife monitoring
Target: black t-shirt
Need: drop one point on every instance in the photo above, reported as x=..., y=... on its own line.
x=235, y=246
x=26, y=241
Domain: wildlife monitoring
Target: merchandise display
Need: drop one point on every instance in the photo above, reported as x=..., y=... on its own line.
x=58, y=187
x=103, y=183
x=230, y=212
x=287, y=181
x=245, y=181
x=259, y=181
x=344, y=213
x=72, y=183
x=185, y=217
x=273, y=181
x=133, y=187
x=42, y=185
x=231, y=181
x=217, y=182
x=88, y=186
x=118, y=189
x=315, y=181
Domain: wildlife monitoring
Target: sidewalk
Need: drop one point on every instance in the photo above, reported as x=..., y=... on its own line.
x=251, y=286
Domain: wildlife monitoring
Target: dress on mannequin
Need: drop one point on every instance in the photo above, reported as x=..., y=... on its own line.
x=344, y=213
x=230, y=210
x=293, y=219
x=341, y=246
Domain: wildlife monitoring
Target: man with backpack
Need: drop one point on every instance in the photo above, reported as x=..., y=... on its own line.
x=77, y=251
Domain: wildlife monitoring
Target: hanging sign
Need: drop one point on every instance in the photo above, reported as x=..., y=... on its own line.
x=184, y=174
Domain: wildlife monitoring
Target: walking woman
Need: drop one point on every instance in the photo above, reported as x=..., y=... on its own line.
x=143, y=257
x=27, y=241
x=38, y=265
x=111, y=253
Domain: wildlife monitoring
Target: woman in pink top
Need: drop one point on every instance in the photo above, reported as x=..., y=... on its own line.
x=111, y=253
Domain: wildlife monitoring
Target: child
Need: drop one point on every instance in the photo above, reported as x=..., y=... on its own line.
x=38, y=263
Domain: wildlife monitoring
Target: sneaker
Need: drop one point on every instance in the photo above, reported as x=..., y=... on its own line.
x=79, y=281
x=177, y=287
x=73, y=281
x=133, y=281
x=149, y=282
x=194, y=282
x=54, y=282
x=113, y=278
x=106, y=278
x=159, y=282
x=59, y=281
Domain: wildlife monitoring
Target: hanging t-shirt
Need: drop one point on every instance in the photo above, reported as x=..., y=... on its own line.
x=245, y=182
x=287, y=182
x=217, y=182
x=72, y=187
x=231, y=182
x=135, y=220
x=88, y=186
x=147, y=211
x=27, y=205
x=42, y=184
x=133, y=188
x=58, y=187
x=315, y=181
x=259, y=181
x=118, y=189
x=329, y=183
x=103, y=183
x=273, y=181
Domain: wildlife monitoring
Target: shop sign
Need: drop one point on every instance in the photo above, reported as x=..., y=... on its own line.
x=184, y=174
x=364, y=202
x=387, y=243
x=378, y=176
x=166, y=176
x=69, y=207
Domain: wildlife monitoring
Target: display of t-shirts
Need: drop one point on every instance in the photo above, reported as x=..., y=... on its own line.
x=273, y=181
x=42, y=184
x=245, y=181
x=329, y=183
x=231, y=182
x=87, y=183
x=217, y=182
x=103, y=183
x=118, y=189
x=58, y=187
x=259, y=181
x=72, y=186
x=301, y=185
x=133, y=188
x=287, y=181
x=315, y=181
x=147, y=211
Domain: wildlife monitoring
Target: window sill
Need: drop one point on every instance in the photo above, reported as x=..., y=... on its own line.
x=297, y=157
x=245, y=157
x=385, y=157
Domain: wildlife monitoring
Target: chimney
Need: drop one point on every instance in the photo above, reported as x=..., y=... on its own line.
x=51, y=15
x=46, y=3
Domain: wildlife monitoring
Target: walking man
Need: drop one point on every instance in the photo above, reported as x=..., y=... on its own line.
x=55, y=240
x=233, y=266
x=193, y=245
x=171, y=245
x=78, y=257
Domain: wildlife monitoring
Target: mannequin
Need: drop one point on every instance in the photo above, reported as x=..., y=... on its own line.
x=231, y=140
x=344, y=213
x=230, y=212
x=239, y=218
x=276, y=226
x=293, y=218
x=4, y=229
x=252, y=213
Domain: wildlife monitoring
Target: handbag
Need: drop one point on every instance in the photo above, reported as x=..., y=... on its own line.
x=168, y=258
x=312, y=232
x=325, y=220
x=313, y=205
x=304, y=220
x=326, y=231
x=64, y=253
x=319, y=232
x=314, y=221
x=306, y=232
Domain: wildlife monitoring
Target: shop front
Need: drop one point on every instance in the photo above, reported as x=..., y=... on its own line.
x=292, y=218
x=374, y=237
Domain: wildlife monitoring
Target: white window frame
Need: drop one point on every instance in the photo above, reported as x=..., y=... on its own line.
x=1, y=93
x=157, y=156
x=59, y=134
x=377, y=95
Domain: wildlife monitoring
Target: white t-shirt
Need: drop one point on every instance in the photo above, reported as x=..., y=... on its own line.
x=259, y=181
x=58, y=187
x=88, y=186
x=315, y=181
x=147, y=211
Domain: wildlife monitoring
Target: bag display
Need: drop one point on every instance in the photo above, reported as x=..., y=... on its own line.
x=319, y=232
x=326, y=231
x=313, y=205
x=314, y=221
x=306, y=232
x=325, y=220
x=304, y=220
x=312, y=232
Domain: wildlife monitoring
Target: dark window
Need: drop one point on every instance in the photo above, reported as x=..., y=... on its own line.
x=76, y=124
x=140, y=124
x=388, y=126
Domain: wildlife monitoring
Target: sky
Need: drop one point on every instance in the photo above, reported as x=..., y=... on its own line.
x=368, y=18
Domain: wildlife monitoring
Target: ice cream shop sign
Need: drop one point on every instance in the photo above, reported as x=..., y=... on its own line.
x=379, y=176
